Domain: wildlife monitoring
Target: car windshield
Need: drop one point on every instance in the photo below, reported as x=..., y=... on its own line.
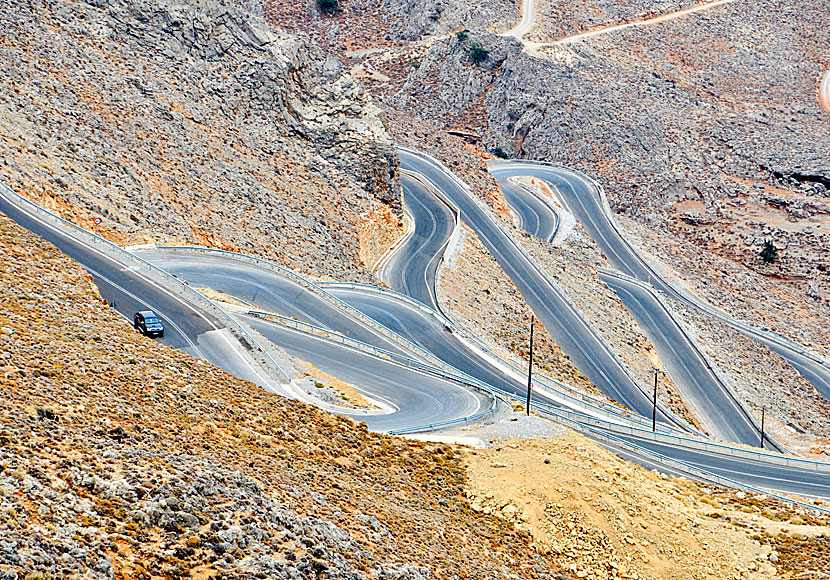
x=152, y=320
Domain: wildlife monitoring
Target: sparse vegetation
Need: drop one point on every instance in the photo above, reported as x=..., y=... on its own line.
x=500, y=153
x=462, y=35
x=478, y=53
x=769, y=252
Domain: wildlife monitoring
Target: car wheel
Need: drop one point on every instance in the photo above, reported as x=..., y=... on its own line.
x=161, y=334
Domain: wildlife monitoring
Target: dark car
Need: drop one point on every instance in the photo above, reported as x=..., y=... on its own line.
x=148, y=323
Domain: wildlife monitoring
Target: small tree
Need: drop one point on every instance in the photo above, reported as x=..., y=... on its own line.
x=328, y=6
x=462, y=35
x=478, y=53
x=769, y=252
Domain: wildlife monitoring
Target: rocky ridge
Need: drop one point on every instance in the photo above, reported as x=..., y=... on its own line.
x=192, y=123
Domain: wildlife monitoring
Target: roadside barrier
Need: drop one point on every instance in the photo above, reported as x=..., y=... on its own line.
x=393, y=357
x=552, y=285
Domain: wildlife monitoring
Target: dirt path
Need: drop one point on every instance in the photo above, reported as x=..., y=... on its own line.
x=824, y=91
x=617, y=27
x=526, y=23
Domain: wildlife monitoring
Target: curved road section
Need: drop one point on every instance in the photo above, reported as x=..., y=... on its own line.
x=587, y=350
x=417, y=399
x=583, y=198
x=411, y=269
x=535, y=216
x=702, y=389
x=187, y=328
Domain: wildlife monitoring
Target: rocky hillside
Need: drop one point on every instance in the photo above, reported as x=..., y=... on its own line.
x=123, y=458
x=706, y=127
x=193, y=122
x=363, y=25
x=555, y=19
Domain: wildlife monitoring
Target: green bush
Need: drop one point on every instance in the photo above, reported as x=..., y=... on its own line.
x=328, y=6
x=500, y=153
x=769, y=252
x=478, y=53
x=462, y=35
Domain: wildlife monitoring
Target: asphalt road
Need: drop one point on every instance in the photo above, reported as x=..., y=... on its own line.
x=535, y=216
x=187, y=328
x=582, y=199
x=572, y=333
x=419, y=399
x=263, y=289
x=411, y=268
x=425, y=398
x=793, y=479
x=723, y=417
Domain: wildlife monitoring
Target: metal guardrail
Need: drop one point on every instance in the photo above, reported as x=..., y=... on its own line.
x=317, y=289
x=603, y=201
x=170, y=282
x=702, y=474
x=713, y=447
x=581, y=424
x=748, y=327
x=446, y=317
x=393, y=357
x=600, y=434
x=713, y=368
x=580, y=400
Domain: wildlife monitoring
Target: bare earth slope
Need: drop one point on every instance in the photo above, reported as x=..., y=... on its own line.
x=122, y=457
x=193, y=122
x=601, y=517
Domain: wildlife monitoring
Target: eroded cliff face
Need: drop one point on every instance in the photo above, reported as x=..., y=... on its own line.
x=193, y=122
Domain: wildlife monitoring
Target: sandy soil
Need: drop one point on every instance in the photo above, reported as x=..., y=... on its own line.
x=600, y=516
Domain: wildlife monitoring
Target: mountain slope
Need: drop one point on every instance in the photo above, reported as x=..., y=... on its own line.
x=120, y=457
x=192, y=123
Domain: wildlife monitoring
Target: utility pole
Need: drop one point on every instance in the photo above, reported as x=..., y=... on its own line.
x=763, y=411
x=654, y=408
x=530, y=365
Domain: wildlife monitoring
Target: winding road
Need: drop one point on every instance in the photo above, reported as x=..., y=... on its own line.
x=723, y=416
x=587, y=350
x=422, y=397
x=583, y=198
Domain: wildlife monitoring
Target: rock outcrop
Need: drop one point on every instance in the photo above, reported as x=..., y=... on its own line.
x=192, y=122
